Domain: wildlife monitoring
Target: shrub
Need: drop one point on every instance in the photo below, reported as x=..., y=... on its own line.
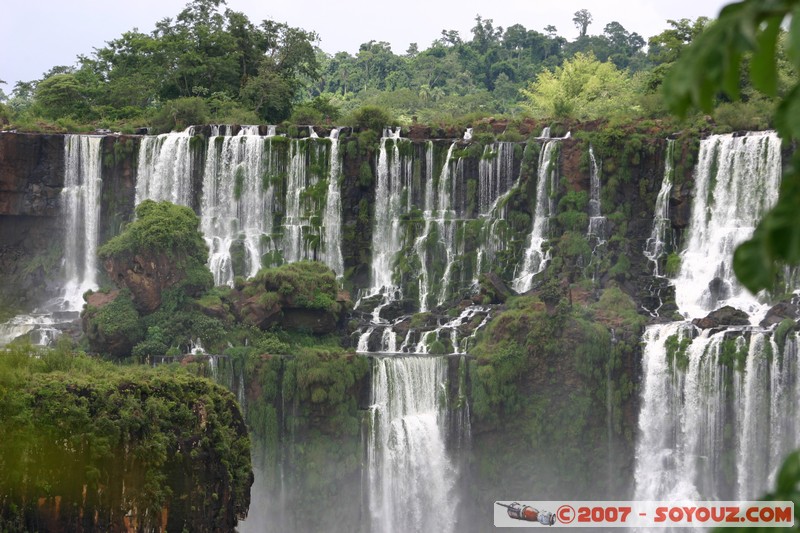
x=181, y=113
x=162, y=226
x=372, y=118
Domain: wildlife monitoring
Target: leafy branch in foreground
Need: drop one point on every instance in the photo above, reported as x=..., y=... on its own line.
x=713, y=64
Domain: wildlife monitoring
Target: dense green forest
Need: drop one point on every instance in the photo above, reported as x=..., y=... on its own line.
x=213, y=64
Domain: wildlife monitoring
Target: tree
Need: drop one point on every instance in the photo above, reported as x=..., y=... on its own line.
x=289, y=58
x=582, y=87
x=582, y=19
x=61, y=95
x=712, y=64
x=666, y=47
x=450, y=38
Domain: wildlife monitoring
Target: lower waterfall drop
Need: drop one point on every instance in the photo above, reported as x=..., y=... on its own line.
x=411, y=475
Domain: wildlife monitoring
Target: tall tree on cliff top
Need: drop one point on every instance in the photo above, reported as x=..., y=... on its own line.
x=289, y=58
x=582, y=19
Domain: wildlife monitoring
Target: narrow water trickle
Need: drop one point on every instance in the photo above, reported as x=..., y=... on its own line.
x=536, y=255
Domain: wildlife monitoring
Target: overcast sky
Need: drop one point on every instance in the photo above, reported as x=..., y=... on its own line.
x=36, y=35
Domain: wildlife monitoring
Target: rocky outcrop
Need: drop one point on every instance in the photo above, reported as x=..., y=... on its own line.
x=494, y=289
x=301, y=296
x=151, y=451
x=110, y=323
x=724, y=316
x=780, y=312
x=146, y=276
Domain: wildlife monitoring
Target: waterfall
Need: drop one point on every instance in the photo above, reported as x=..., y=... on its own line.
x=237, y=202
x=249, y=180
x=80, y=218
x=718, y=424
x=736, y=182
x=81, y=212
x=411, y=476
x=332, y=219
x=720, y=407
x=536, y=256
x=656, y=243
x=294, y=220
x=439, y=218
x=495, y=185
x=393, y=175
x=164, y=169
x=420, y=246
x=434, y=238
x=597, y=222
x=495, y=175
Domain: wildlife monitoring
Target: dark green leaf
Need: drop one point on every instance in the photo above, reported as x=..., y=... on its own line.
x=787, y=118
x=752, y=264
x=794, y=38
x=789, y=475
x=762, y=67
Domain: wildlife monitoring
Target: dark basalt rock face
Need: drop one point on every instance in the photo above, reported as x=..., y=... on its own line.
x=31, y=179
x=780, y=312
x=724, y=316
x=31, y=174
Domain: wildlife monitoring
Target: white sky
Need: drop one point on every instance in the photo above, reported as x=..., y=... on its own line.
x=36, y=35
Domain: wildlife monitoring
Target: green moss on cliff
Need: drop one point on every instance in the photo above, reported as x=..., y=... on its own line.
x=552, y=372
x=86, y=444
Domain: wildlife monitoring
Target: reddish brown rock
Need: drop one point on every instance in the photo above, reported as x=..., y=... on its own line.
x=146, y=277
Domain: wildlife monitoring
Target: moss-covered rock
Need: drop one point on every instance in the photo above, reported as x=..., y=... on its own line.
x=111, y=323
x=297, y=296
x=162, y=248
x=91, y=446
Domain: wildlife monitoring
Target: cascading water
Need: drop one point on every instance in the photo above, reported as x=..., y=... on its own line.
x=438, y=246
x=411, y=475
x=332, y=219
x=719, y=416
x=736, y=182
x=81, y=200
x=420, y=246
x=164, y=169
x=536, y=257
x=720, y=406
x=656, y=243
x=294, y=219
x=247, y=180
x=393, y=185
x=597, y=222
x=237, y=202
x=439, y=223
x=495, y=176
x=80, y=212
x=393, y=180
